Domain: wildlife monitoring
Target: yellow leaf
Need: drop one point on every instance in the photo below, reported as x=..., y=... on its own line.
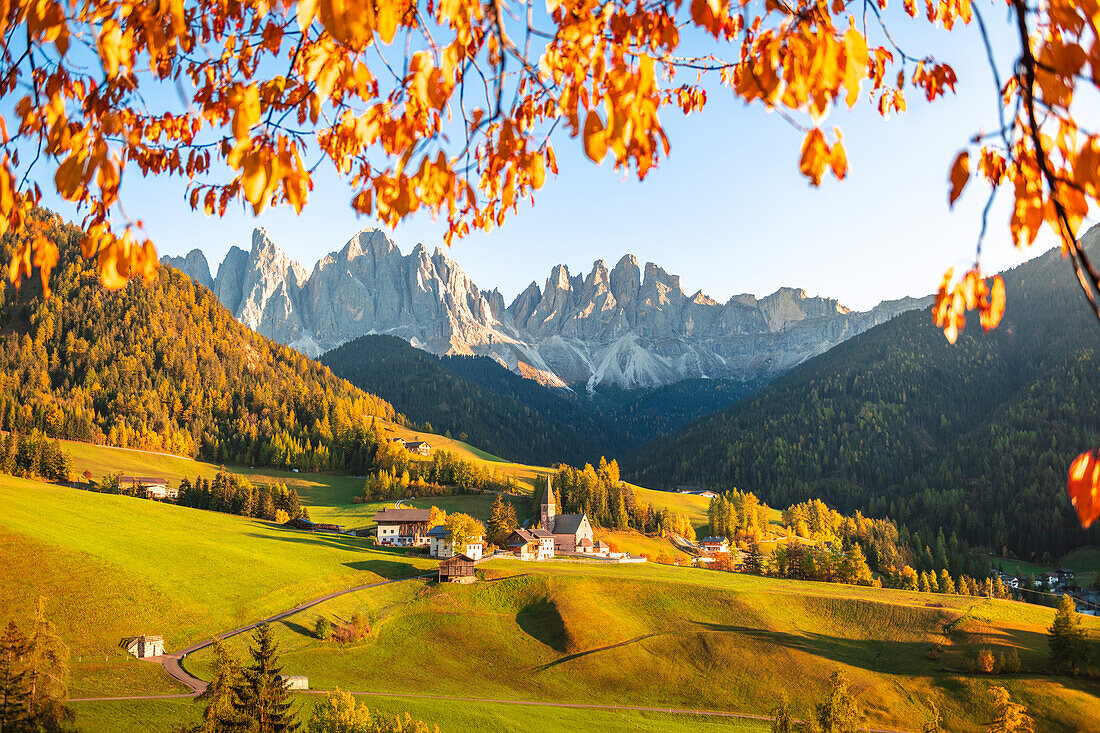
x=960, y=174
x=110, y=47
x=306, y=11
x=855, y=69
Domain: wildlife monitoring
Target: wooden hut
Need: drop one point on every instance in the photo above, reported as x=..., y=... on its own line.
x=457, y=569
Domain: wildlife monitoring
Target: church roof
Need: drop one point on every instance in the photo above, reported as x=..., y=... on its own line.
x=568, y=523
x=548, y=497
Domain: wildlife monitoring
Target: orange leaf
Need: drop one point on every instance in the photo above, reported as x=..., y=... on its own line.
x=595, y=139
x=960, y=174
x=995, y=306
x=1083, y=486
x=815, y=156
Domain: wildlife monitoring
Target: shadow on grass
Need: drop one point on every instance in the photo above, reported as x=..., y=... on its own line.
x=542, y=621
x=878, y=655
x=578, y=655
x=298, y=629
x=342, y=542
x=388, y=569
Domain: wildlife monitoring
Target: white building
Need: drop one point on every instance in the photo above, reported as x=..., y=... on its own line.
x=144, y=646
x=441, y=546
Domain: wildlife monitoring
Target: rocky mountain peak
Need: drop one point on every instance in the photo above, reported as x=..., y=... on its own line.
x=630, y=327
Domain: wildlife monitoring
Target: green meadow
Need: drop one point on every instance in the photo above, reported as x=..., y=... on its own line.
x=560, y=632
x=660, y=636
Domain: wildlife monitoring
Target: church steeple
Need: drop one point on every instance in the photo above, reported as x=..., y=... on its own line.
x=548, y=510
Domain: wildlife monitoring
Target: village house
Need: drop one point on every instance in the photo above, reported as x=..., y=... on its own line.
x=144, y=646
x=295, y=681
x=155, y=488
x=695, y=491
x=442, y=546
x=457, y=569
x=533, y=544
x=398, y=440
x=403, y=527
x=714, y=544
x=418, y=447
x=570, y=530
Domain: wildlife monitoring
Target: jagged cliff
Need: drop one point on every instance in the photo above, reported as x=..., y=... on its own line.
x=628, y=326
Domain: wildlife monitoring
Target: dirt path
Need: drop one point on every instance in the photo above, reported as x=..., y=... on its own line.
x=173, y=663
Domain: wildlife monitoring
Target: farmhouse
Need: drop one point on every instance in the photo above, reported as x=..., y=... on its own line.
x=569, y=530
x=442, y=546
x=403, y=527
x=418, y=447
x=295, y=681
x=695, y=491
x=534, y=544
x=144, y=646
x=457, y=569
x=156, y=488
x=714, y=544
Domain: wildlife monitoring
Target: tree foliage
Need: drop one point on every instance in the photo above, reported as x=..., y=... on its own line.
x=339, y=712
x=1067, y=638
x=166, y=367
x=259, y=693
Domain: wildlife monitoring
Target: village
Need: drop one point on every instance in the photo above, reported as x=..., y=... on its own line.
x=555, y=536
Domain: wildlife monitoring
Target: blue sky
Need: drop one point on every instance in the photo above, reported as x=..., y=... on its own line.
x=728, y=211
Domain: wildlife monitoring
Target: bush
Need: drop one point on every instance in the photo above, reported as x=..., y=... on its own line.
x=322, y=629
x=1010, y=662
x=985, y=662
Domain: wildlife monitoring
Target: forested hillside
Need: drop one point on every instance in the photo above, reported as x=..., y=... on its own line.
x=975, y=437
x=163, y=366
x=479, y=401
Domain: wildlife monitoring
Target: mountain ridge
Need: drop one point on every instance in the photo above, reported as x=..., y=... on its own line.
x=630, y=326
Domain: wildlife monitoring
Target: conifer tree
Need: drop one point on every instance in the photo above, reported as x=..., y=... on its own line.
x=754, y=558
x=839, y=712
x=260, y=694
x=946, y=584
x=221, y=713
x=47, y=673
x=1066, y=636
x=14, y=695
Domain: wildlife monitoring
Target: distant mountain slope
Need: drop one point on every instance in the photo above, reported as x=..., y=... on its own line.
x=165, y=366
x=476, y=399
x=630, y=326
x=975, y=437
x=499, y=411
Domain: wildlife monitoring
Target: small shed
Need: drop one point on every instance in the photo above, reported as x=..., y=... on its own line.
x=457, y=569
x=295, y=681
x=144, y=646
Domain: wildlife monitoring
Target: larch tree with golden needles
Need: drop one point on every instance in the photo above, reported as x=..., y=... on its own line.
x=454, y=107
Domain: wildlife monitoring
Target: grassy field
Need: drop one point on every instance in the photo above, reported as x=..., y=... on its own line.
x=649, y=635
x=133, y=717
x=639, y=544
x=674, y=637
x=115, y=566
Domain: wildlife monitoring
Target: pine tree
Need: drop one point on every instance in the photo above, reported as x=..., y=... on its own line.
x=946, y=584
x=1068, y=646
x=14, y=695
x=47, y=670
x=839, y=712
x=1008, y=716
x=261, y=695
x=221, y=713
x=754, y=559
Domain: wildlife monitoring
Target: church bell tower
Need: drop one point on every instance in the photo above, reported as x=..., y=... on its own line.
x=549, y=509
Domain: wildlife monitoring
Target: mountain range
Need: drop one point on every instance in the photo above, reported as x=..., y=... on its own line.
x=626, y=327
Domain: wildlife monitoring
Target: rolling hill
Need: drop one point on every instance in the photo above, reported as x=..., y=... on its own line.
x=558, y=633
x=974, y=438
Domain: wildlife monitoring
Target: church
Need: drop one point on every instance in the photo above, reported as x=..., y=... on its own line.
x=572, y=532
